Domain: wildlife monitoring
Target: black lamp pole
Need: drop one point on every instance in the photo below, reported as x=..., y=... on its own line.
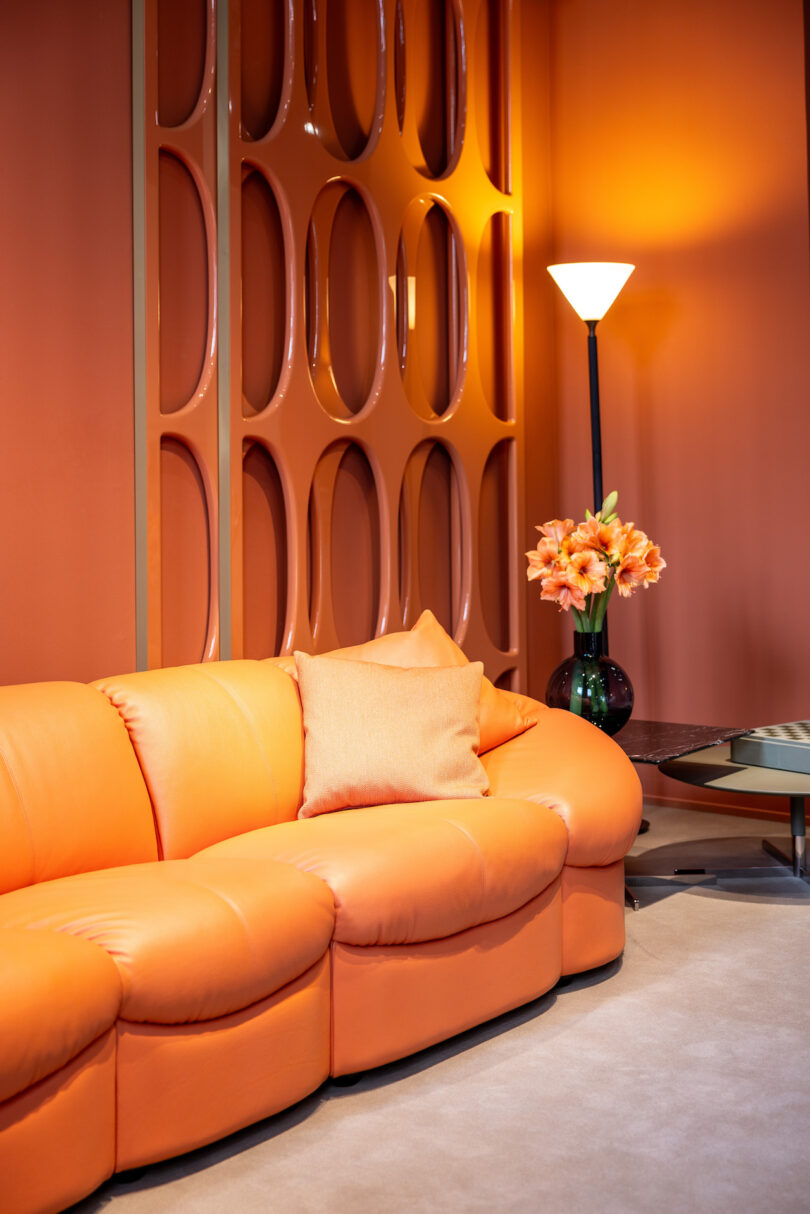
x=596, y=438
x=596, y=427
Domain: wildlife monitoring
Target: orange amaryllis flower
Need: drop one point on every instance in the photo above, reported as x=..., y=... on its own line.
x=542, y=559
x=630, y=574
x=557, y=529
x=655, y=563
x=605, y=538
x=557, y=589
x=635, y=542
x=586, y=572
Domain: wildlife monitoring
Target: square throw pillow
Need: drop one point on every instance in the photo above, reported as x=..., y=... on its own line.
x=376, y=734
x=427, y=644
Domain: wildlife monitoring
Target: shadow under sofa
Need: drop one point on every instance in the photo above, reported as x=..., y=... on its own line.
x=184, y=955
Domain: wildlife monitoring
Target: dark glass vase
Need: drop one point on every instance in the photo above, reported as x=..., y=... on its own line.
x=592, y=685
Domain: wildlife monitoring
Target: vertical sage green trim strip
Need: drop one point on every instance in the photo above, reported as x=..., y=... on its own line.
x=223, y=332
x=139, y=332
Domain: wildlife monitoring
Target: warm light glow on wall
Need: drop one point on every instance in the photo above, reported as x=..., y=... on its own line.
x=591, y=286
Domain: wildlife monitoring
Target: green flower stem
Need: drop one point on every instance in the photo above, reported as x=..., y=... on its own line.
x=601, y=605
x=581, y=618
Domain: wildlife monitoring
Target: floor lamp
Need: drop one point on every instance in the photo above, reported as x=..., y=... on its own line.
x=591, y=287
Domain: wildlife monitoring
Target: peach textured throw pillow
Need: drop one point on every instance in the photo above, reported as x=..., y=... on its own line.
x=376, y=734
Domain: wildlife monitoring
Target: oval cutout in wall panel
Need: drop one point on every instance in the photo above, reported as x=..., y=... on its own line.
x=434, y=313
x=494, y=555
x=432, y=55
x=431, y=545
x=263, y=49
x=490, y=88
x=350, y=538
x=264, y=554
x=185, y=555
x=352, y=67
x=264, y=293
x=494, y=347
x=355, y=549
x=183, y=286
x=181, y=46
x=341, y=295
x=354, y=311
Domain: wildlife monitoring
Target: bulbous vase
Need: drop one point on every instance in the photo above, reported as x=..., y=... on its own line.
x=592, y=685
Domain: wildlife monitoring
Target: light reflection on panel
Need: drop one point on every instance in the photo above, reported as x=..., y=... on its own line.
x=185, y=556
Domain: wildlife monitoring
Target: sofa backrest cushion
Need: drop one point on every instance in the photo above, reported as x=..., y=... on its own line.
x=220, y=746
x=72, y=798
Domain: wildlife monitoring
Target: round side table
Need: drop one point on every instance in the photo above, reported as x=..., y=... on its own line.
x=713, y=768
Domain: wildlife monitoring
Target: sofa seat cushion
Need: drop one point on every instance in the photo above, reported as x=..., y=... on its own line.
x=570, y=765
x=191, y=939
x=59, y=995
x=403, y=874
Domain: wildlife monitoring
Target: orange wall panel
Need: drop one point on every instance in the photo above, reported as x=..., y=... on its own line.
x=67, y=590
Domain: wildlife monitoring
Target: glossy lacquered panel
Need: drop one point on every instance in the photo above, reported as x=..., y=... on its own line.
x=368, y=154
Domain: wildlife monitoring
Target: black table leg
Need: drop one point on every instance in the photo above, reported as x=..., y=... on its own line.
x=798, y=829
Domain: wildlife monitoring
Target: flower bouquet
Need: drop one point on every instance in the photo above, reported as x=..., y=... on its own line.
x=578, y=567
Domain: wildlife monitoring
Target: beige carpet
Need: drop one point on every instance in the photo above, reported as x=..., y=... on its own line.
x=672, y=1080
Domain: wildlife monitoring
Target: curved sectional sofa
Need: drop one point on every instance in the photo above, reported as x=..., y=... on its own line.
x=190, y=941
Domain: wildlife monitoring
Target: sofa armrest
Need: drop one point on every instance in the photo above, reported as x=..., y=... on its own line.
x=581, y=773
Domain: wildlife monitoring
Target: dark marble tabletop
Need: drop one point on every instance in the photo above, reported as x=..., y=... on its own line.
x=657, y=741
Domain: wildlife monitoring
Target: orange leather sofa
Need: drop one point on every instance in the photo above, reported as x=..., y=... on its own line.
x=182, y=955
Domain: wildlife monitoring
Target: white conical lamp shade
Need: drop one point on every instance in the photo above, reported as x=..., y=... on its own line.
x=591, y=286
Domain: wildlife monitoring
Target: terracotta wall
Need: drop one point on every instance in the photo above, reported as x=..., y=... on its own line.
x=679, y=143
x=66, y=448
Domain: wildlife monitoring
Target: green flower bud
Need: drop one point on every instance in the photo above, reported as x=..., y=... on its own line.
x=609, y=505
